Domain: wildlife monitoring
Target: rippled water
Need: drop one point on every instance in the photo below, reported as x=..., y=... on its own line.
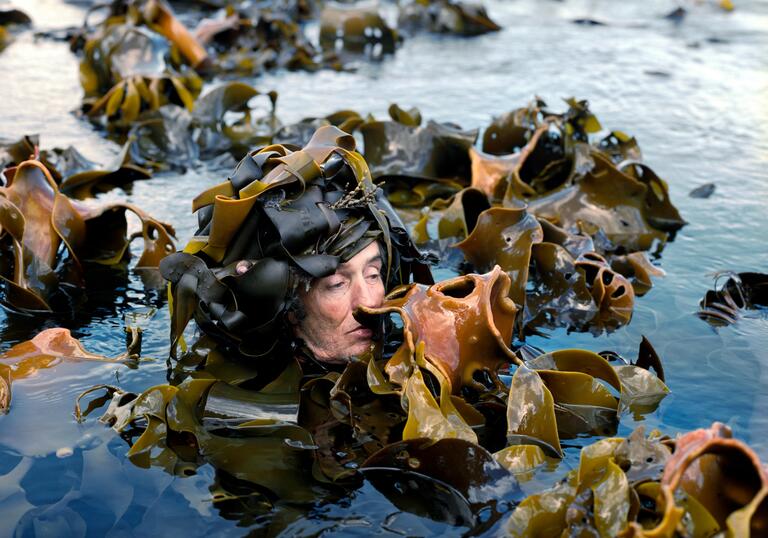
x=694, y=94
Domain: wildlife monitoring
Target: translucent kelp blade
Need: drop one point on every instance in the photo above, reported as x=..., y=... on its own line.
x=520, y=460
x=503, y=236
x=211, y=107
x=647, y=456
x=447, y=407
x=530, y=410
x=560, y=296
x=598, y=470
x=603, y=199
x=577, y=388
x=33, y=192
x=461, y=215
x=578, y=360
x=542, y=514
x=641, y=390
x=410, y=117
x=491, y=173
x=722, y=473
x=45, y=350
x=637, y=267
x=697, y=520
x=110, y=391
x=277, y=401
x=425, y=416
x=465, y=324
x=611, y=291
x=659, y=210
x=106, y=232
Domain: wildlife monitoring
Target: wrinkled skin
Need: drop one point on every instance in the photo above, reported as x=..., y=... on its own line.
x=329, y=328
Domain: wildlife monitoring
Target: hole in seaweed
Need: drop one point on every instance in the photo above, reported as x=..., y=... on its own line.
x=152, y=232
x=618, y=292
x=459, y=290
x=607, y=278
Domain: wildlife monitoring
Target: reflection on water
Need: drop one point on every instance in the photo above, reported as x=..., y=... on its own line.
x=694, y=95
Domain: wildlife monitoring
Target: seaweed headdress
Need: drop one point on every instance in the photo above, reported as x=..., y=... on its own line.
x=285, y=214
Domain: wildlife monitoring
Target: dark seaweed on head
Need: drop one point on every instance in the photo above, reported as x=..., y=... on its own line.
x=284, y=216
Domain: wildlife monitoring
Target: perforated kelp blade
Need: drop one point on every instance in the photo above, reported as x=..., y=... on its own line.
x=465, y=324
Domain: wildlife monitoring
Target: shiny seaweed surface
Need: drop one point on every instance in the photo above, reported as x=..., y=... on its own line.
x=687, y=87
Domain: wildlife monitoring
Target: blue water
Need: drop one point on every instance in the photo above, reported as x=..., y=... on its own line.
x=695, y=95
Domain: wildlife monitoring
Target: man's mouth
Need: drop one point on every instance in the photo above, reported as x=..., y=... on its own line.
x=362, y=332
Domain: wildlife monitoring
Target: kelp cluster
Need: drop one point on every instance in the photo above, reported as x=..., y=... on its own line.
x=443, y=435
x=570, y=216
x=141, y=57
x=47, y=237
x=704, y=483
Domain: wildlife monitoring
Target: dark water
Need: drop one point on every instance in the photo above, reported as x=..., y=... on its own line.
x=694, y=94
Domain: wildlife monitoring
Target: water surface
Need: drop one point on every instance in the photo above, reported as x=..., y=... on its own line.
x=695, y=95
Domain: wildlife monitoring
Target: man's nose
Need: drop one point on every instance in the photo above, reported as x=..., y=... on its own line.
x=365, y=294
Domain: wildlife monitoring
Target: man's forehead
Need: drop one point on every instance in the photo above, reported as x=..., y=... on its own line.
x=368, y=256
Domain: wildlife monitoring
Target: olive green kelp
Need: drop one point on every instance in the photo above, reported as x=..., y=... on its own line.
x=446, y=17
x=282, y=216
x=568, y=217
x=45, y=237
x=316, y=432
x=137, y=60
x=703, y=483
x=75, y=175
x=355, y=27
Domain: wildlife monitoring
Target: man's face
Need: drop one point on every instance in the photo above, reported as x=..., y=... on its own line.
x=329, y=329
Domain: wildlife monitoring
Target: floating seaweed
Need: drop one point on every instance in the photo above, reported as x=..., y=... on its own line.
x=10, y=20
x=48, y=236
x=128, y=64
x=47, y=349
x=446, y=17
x=741, y=291
x=356, y=28
x=700, y=484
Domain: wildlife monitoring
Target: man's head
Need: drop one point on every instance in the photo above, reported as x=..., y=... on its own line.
x=328, y=326
x=287, y=217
